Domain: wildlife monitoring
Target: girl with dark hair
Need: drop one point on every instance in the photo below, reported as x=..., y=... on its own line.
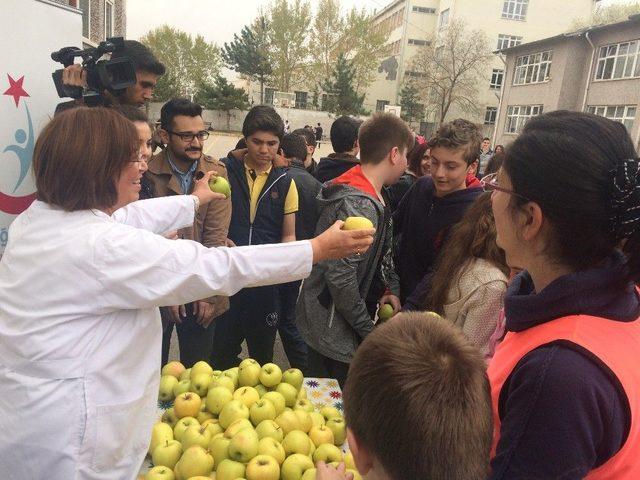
x=498, y=149
x=145, y=137
x=565, y=381
x=416, y=158
x=468, y=284
x=494, y=163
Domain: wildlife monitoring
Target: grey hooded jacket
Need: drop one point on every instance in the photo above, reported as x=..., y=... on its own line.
x=331, y=313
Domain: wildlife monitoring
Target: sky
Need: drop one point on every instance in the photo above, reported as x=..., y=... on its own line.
x=217, y=20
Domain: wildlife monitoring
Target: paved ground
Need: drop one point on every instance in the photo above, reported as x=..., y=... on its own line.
x=218, y=145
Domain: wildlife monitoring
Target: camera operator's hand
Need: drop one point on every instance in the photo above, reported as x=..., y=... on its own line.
x=74, y=76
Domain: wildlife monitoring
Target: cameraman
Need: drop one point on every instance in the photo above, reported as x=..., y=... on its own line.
x=148, y=70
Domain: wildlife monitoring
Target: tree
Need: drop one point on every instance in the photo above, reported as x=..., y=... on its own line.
x=248, y=53
x=221, y=95
x=342, y=97
x=607, y=15
x=189, y=61
x=288, y=39
x=448, y=71
x=327, y=32
x=412, y=109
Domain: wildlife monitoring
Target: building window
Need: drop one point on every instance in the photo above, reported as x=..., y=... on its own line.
x=496, y=79
x=508, y=41
x=380, y=105
x=444, y=18
x=621, y=60
x=424, y=10
x=534, y=68
x=515, y=9
x=85, y=7
x=519, y=115
x=268, y=95
x=301, y=99
x=624, y=114
x=490, y=115
x=415, y=41
x=108, y=19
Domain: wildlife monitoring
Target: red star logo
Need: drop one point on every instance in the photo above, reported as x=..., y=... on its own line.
x=15, y=89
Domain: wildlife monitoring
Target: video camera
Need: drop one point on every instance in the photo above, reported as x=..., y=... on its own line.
x=113, y=75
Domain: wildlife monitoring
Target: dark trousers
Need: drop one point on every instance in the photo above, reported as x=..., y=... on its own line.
x=252, y=316
x=325, y=367
x=294, y=346
x=195, y=341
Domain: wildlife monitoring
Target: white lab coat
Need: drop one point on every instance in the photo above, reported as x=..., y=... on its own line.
x=80, y=334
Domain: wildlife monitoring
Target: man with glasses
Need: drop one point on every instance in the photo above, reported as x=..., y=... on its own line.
x=172, y=172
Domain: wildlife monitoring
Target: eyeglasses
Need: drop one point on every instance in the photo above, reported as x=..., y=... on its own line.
x=490, y=184
x=188, y=137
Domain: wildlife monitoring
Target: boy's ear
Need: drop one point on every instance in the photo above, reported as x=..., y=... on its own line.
x=361, y=456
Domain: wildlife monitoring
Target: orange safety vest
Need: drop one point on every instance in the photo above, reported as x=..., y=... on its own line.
x=615, y=344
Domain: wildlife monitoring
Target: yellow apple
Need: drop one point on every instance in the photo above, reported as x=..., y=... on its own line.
x=160, y=473
x=196, y=435
x=182, y=386
x=220, y=185
x=204, y=415
x=186, y=375
x=213, y=426
x=201, y=367
x=182, y=425
x=296, y=441
x=302, y=394
x=174, y=369
x=268, y=446
x=304, y=404
x=167, y=384
x=261, y=389
x=339, y=429
x=270, y=429
x=233, y=410
x=293, y=376
x=169, y=417
x=223, y=381
x=187, y=405
x=385, y=312
x=217, y=397
x=270, y=375
x=348, y=461
x=263, y=467
x=262, y=410
x=236, y=426
x=357, y=223
x=244, y=445
x=294, y=466
x=200, y=384
x=327, y=453
x=289, y=393
x=230, y=470
x=330, y=412
x=277, y=399
x=288, y=421
x=248, y=373
x=195, y=461
x=317, y=419
x=304, y=420
x=167, y=454
x=309, y=474
x=232, y=374
x=160, y=433
x=247, y=395
x=355, y=473
x=320, y=435
x=219, y=448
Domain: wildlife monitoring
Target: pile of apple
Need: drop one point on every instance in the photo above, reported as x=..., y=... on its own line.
x=248, y=422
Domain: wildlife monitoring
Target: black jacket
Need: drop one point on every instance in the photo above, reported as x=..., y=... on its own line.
x=308, y=189
x=334, y=165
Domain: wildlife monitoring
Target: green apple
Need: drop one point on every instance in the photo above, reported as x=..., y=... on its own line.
x=262, y=410
x=309, y=474
x=201, y=367
x=296, y=441
x=348, y=461
x=174, y=369
x=385, y=312
x=293, y=376
x=339, y=429
x=160, y=433
x=217, y=397
x=289, y=393
x=268, y=446
x=187, y=405
x=312, y=448
x=223, y=381
x=248, y=373
x=182, y=386
x=304, y=404
x=247, y=395
x=236, y=426
x=294, y=466
x=317, y=419
x=160, y=473
x=186, y=375
x=167, y=384
x=213, y=426
x=195, y=461
x=304, y=419
x=182, y=425
x=200, y=384
x=230, y=470
x=244, y=445
x=302, y=394
x=204, y=415
x=232, y=373
x=220, y=185
x=233, y=410
x=330, y=412
x=270, y=375
x=357, y=223
x=320, y=435
x=219, y=448
x=269, y=429
x=277, y=399
x=355, y=473
x=169, y=417
x=327, y=452
x=167, y=454
x=288, y=421
x=196, y=435
x=263, y=467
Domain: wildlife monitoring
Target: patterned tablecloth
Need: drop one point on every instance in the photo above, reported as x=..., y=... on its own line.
x=321, y=392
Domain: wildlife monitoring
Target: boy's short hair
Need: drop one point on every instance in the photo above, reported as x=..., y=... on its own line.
x=175, y=107
x=344, y=133
x=141, y=56
x=379, y=134
x=459, y=134
x=486, y=138
x=294, y=146
x=417, y=398
x=263, y=118
x=309, y=136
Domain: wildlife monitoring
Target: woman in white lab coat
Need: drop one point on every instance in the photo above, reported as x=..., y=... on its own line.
x=80, y=336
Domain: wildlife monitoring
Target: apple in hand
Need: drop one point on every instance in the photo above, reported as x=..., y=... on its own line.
x=270, y=375
x=217, y=397
x=270, y=429
x=248, y=373
x=220, y=185
x=230, y=470
x=320, y=435
x=263, y=467
x=167, y=454
x=160, y=473
x=187, y=405
x=357, y=223
x=385, y=312
x=293, y=376
x=244, y=445
x=339, y=429
x=294, y=466
x=289, y=393
x=327, y=453
x=277, y=399
x=268, y=446
x=296, y=441
x=262, y=410
x=232, y=411
x=174, y=369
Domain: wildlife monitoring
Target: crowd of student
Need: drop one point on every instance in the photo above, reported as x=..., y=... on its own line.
x=529, y=256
